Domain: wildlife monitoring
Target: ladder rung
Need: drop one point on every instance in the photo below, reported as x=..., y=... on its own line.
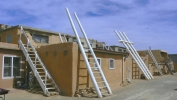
x=92, y=63
x=48, y=84
x=39, y=68
x=102, y=87
x=101, y=82
x=90, y=58
x=41, y=72
x=50, y=88
x=97, y=77
x=96, y=72
x=94, y=67
x=42, y=75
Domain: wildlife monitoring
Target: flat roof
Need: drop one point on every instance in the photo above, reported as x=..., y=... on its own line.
x=9, y=46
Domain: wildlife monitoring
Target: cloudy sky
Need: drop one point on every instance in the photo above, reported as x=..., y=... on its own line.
x=145, y=22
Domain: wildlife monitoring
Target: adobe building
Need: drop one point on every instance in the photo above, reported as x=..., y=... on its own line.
x=173, y=57
x=63, y=60
x=161, y=56
x=13, y=65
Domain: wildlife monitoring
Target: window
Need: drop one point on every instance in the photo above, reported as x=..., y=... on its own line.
x=111, y=63
x=40, y=38
x=11, y=66
x=99, y=61
x=8, y=38
x=120, y=50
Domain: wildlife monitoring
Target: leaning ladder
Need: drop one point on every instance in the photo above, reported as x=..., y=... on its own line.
x=45, y=80
x=90, y=68
x=154, y=60
x=126, y=42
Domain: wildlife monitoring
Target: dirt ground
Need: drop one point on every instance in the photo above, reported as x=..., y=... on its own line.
x=161, y=88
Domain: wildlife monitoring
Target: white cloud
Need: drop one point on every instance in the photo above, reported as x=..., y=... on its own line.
x=151, y=23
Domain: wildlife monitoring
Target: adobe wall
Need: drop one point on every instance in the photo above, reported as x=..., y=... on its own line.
x=14, y=32
x=113, y=76
x=8, y=82
x=61, y=62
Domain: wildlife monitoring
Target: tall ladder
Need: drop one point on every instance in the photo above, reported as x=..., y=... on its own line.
x=45, y=80
x=126, y=42
x=154, y=60
x=96, y=77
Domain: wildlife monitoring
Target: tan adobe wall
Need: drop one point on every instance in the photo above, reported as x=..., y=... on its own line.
x=8, y=82
x=61, y=62
x=113, y=76
x=13, y=32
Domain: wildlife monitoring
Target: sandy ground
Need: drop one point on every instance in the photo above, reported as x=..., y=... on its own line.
x=161, y=88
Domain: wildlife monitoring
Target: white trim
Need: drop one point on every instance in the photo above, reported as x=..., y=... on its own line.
x=110, y=63
x=12, y=56
x=98, y=62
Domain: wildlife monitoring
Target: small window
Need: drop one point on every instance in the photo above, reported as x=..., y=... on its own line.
x=8, y=38
x=120, y=50
x=99, y=62
x=111, y=63
x=40, y=38
x=11, y=67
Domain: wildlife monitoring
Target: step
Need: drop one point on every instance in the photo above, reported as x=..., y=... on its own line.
x=39, y=68
x=96, y=72
x=49, y=84
x=51, y=88
x=94, y=67
x=102, y=87
x=97, y=77
x=41, y=72
x=100, y=82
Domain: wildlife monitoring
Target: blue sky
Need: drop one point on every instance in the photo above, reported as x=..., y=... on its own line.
x=146, y=22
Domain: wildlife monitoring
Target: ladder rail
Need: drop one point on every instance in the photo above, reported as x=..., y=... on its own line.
x=134, y=57
x=93, y=54
x=60, y=37
x=138, y=55
x=84, y=56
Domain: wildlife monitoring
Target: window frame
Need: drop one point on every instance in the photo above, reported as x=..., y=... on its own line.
x=12, y=67
x=10, y=37
x=110, y=63
x=98, y=62
x=40, y=36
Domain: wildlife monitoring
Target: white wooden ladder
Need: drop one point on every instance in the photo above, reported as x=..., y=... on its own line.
x=98, y=79
x=154, y=60
x=129, y=46
x=45, y=80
